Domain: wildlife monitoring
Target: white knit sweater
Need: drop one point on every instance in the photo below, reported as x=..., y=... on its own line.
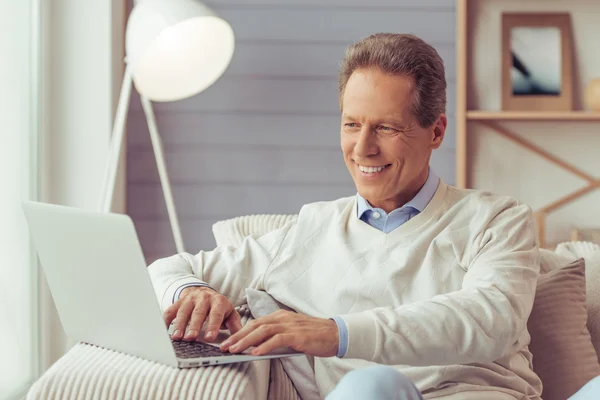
x=445, y=297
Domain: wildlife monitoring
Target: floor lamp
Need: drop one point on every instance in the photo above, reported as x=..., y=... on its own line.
x=175, y=49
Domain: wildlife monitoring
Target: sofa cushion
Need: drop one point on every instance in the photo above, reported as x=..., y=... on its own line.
x=563, y=354
x=593, y=298
x=299, y=369
x=591, y=254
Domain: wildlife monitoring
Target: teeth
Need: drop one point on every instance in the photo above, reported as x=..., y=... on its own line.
x=370, y=170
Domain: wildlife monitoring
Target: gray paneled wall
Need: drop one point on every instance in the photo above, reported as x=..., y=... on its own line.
x=265, y=137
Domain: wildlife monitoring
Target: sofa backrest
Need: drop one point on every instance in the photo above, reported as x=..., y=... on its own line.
x=231, y=232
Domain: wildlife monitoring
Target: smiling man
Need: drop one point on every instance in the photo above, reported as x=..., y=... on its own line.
x=411, y=287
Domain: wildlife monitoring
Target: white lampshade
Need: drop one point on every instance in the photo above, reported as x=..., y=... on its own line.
x=176, y=48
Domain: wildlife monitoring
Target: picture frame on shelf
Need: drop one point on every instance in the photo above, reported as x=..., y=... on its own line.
x=537, y=62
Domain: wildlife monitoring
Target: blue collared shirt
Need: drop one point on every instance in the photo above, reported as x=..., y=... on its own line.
x=385, y=222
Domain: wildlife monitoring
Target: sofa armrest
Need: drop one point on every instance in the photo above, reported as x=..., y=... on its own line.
x=90, y=371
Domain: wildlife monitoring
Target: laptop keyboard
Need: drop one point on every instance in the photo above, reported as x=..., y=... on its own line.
x=197, y=350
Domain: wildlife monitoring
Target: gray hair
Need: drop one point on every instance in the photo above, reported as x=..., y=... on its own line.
x=406, y=55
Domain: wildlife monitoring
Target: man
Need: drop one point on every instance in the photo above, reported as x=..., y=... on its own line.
x=435, y=281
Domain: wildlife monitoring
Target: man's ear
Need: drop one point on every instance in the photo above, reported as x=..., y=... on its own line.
x=438, y=130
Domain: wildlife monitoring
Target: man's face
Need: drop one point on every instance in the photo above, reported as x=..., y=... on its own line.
x=385, y=149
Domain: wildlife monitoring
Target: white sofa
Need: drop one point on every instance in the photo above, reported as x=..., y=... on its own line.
x=90, y=372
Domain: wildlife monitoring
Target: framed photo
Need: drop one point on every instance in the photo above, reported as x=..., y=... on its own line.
x=537, y=62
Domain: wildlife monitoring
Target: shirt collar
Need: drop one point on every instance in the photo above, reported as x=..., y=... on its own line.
x=419, y=202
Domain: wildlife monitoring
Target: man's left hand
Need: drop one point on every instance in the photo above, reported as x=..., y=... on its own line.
x=313, y=336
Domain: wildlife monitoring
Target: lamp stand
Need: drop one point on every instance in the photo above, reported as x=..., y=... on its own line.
x=115, y=154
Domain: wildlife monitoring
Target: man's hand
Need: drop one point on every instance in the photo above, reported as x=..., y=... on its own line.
x=314, y=336
x=197, y=305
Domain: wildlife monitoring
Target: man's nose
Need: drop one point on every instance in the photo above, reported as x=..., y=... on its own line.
x=366, y=144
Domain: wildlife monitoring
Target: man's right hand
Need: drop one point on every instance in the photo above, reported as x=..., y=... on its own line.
x=197, y=305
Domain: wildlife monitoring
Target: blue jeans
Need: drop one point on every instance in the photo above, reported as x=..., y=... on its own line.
x=385, y=383
x=375, y=383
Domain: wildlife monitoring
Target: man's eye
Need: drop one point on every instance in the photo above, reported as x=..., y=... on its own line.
x=350, y=125
x=385, y=128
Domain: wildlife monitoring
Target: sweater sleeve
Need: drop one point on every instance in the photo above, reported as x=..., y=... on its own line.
x=478, y=323
x=226, y=269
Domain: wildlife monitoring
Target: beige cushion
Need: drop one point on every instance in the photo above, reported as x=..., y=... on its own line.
x=593, y=298
x=280, y=386
x=591, y=254
x=563, y=354
x=299, y=369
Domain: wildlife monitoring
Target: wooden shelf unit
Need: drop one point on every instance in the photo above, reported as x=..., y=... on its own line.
x=493, y=120
x=477, y=115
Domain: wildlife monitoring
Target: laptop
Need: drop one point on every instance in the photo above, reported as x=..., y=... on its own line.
x=96, y=272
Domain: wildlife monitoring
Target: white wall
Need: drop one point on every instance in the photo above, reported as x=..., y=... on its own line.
x=18, y=118
x=265, y=137
x=503, y=167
